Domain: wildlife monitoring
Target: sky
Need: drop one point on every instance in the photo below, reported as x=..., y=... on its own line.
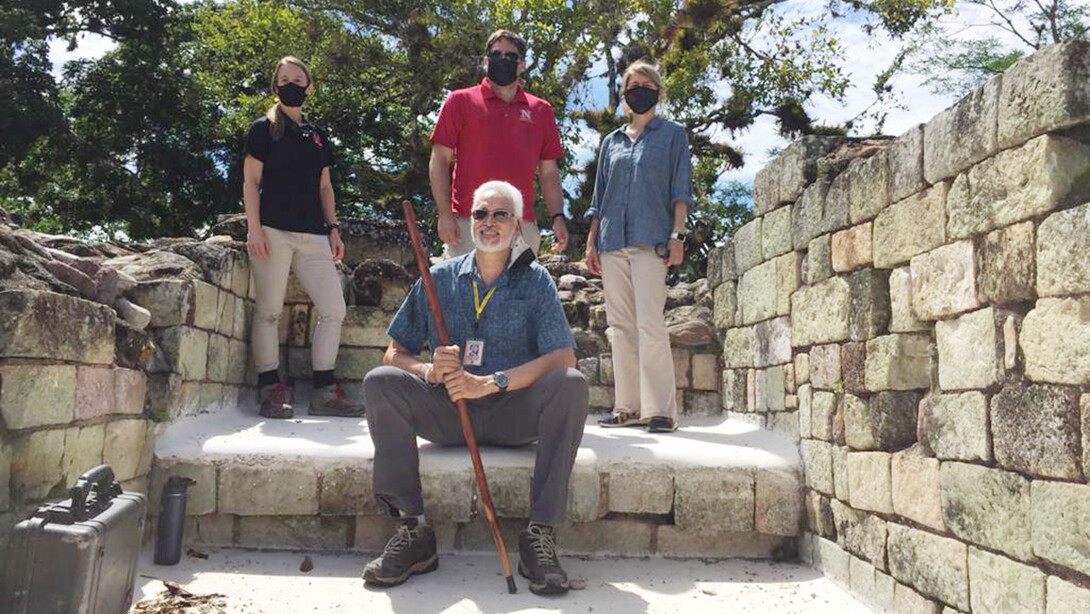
x=867, y=58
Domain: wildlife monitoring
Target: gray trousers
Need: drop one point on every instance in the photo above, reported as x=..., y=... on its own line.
x=401, y=406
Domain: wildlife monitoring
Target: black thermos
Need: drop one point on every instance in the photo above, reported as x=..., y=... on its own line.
x=168, y=547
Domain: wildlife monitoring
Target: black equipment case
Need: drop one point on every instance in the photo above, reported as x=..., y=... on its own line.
x=78, y=556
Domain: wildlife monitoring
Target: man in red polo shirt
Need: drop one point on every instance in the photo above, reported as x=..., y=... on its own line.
x=496, y=130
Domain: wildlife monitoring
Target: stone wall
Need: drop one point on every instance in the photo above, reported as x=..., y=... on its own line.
x=917, y=313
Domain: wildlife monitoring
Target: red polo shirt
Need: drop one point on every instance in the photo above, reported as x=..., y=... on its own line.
x=493, y=139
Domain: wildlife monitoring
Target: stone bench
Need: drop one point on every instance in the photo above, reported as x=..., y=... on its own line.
x=716, y=488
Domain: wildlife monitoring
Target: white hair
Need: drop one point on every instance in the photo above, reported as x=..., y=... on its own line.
x=508, y=191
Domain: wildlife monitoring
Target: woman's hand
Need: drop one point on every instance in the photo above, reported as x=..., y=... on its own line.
x=594, y=263
x=257, y=243
x=677, y=252
x=336, y=245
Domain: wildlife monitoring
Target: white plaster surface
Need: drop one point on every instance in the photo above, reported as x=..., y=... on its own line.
x=271, y=583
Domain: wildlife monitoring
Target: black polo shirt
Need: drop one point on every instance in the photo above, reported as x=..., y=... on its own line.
x=291, y=176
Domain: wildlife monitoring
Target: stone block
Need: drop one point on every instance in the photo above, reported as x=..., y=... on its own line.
x=56, y=326
x=963, y=134
x=128, y=448
x=170, y=301
x=635, y=489
x=295, y=532
x=510, y=487
x=201, y=498
x=802, y=368
x=1035, y=429
x=585, y=497
x=244, y=319
x=252, y=490
x=216, y=530
x=853, y=366
x=917, y=493
x=989, y=507
x=219, y=355
x=299, y=323
x=898, y=362
x=869, y=481
x=823, y=208
x=364, y=327
x=851, y=248
x=1084, y=410
x=902, y=318
x=5, y=476
x=784, y=178
x=773, y=342
x=38, y=395
x=734, y=390
x=704, y=371
x=1000, y=585
x=82, y=451
x=910, y=227
x=819, y=515
x=874, y=588
x=130, y=390
x=673, y=542
x=784, y=423
x=860, y=533
x=225, y=313
x=1065, y=597
x=1055, y=339
x=757, y=293
x=240, y=277
x=840, y=473
x=835, y=563
x=935, y=566
x=806, y=410
x=239, y=362
x=822, y=411
x=206, y=305
x=967, y=351
x=747, y=246
x=869, y=312
x=778, y=502
x=94, y=392
x=682, y=360
x=819, y=260
x=776, y=232
x=711, y=499
x=825, y=367
x=819, y=313
x=769, y=390
x=905, y=159
x=817, y=461
x=944, y=281
x=788, y=276
x=1063, y=253
x=957, y=426
x=601, y=397
x=1061, y=514
x=605, y=369
x=891, y=419
x=908, y=601
x=726, y=304
x=354, y=363
x=589, y=368
x=36, y=464
x=346, y=491
x=868, y=186
x=1045, y=92
x=739, y=347
x=607, y=537
x=182, y=350
x=1007, y=272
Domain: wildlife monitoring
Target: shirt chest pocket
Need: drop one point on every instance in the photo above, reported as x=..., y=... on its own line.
x=654, y=159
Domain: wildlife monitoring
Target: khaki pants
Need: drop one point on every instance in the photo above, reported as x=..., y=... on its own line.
x=634, y=284
x=530, y=233
x=310, y=256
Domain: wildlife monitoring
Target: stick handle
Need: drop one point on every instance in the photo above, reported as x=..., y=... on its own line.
x=428, y=283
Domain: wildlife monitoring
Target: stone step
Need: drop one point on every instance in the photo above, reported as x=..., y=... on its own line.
x=716, y=488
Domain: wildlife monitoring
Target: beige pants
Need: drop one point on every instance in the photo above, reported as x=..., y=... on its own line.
x=530, y=233
x=634, y=284
x=310, y=256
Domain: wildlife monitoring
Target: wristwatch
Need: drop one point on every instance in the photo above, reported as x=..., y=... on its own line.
x=501, y=380
x=680, y=236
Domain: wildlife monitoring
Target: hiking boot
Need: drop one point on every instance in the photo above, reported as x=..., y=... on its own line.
x=411, y=550
x=661, y=424
x=621, y=418
x=275, y=401
x=538, y=562
x=332, y=401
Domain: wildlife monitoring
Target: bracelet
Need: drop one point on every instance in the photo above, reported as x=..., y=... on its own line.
x=552, y=219
x=334, y=226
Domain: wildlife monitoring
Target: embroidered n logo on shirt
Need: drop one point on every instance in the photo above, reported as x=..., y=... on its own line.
x=525, y=116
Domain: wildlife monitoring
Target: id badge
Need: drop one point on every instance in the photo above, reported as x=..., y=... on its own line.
x=474, y=355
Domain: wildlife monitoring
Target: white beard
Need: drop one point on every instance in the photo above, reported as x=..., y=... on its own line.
x=490, y=247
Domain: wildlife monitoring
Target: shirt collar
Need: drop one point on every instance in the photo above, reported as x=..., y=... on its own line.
x=486, y=91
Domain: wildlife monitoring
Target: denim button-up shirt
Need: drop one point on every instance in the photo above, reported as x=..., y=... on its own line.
x=522, y=321
x=638, y=183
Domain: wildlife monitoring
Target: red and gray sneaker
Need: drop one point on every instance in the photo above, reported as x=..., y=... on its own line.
x=275, y=401
x=539, y=563
x=410, y=551
x=332, y=401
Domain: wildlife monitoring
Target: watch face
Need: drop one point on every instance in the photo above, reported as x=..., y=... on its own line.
x=501, y=379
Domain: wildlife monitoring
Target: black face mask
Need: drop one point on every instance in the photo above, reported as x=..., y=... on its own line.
x=640, y=99
x=291, y=94
x=502, y=71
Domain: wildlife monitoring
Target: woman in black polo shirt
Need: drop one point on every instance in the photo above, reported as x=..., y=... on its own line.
x=292, y=222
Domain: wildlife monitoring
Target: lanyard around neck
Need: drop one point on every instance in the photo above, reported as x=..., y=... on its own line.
x=477, y=303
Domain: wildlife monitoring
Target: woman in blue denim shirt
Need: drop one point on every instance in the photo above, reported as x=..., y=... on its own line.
x=642, y=193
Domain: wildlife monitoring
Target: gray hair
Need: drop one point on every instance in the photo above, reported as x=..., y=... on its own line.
x=508, y=191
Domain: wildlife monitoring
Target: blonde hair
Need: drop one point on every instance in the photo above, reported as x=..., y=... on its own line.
x=645, y=69
x=505, y=190
x=275, y=113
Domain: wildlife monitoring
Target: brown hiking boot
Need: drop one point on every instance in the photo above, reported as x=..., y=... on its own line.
x=411, y=550
x=539, y=563
x=275, y=401
x=332, y=401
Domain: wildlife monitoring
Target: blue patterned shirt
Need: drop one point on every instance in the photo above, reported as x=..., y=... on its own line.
x=522, y=321
x=638, y=183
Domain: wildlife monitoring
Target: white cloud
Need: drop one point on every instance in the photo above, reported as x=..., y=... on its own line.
x=88, y=47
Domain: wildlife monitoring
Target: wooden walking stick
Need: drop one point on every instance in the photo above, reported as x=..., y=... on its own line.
x=463, y=410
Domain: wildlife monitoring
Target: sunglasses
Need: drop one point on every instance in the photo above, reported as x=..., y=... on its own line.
x=499, y=215
x=509, y=55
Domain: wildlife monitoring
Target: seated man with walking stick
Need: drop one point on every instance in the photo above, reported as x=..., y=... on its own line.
x=511, y=356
